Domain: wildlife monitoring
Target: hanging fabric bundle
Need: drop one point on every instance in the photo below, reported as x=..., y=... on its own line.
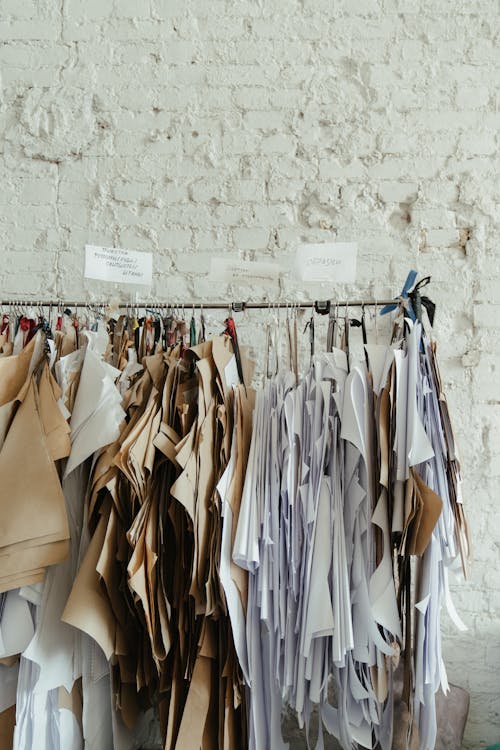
x=156, y=520
x=181, y=546
x=351, y=463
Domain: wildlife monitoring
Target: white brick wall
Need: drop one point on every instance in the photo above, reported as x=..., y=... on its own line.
x=204, y=126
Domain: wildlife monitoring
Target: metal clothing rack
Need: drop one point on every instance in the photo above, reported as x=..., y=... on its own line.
x=320, y=306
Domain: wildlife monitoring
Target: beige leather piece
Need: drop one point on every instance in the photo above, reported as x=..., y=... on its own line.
x=6, y=347
x=88, y=606
x=104, y=473
x=7, y=412
x=72, y=701
x=25, y=557
x=8, y=661
x=196, y=708
x=131, y=455
x=31, y=485
x=165, y=445
x=66, y=341
x=155, y=364
x=184, y=488
x=56, y=428
x=107, y=566
x=205, y=488
x=245, y=405
x=29, y=481
x=27, y=578
x=14, y=372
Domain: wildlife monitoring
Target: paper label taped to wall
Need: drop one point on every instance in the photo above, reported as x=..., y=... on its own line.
x=230, y=270
x=327, y=261
x=118, y=265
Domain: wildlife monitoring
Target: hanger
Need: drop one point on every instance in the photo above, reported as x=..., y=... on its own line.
x=345, y=335
x=289, y=338
x=272, y=363
x=310, y=325
x=331, y=336
x=295, y=345
x=202, y=333
x=192, y=329
x=230, y=331
x=365, y=338
x=376, y=321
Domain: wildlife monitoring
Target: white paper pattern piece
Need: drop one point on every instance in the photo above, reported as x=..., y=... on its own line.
x=228, y=270
x=327, y=261
x=118, y=265
x=231, y=373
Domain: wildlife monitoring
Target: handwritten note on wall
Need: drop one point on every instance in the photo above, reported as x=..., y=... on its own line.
x=334, y=262
x=118, y=265
x=228, y=270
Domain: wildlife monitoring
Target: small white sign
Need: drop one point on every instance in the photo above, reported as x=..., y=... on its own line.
x=328, y=261
x=118, y=265
x=228, y=270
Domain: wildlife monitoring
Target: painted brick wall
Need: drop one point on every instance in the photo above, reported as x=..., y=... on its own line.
x=243, y=126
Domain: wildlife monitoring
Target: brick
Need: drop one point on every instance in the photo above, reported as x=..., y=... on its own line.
x=433, y=218
x=91, y=10
x=472, y=97
x=130, y=192
x=192, y=263
x=34, y=192
x=35, y=30
x=478, y=143
x=487, y=316
x=178, y=51
x=278, y=144
x=441, y=237
x=32, y=53
x=389, y=169
x=237, y=142
x=245, y=190
x=331, y=169
x=71, y=191
x=444, y=120
x=440, y=191
x=22, y=285
x=398, y=192
x=133, y=8
x=241, y=75
x=206, y=190
x=174, y=238
x=489, y=290
x=166, y=8
x=253, y=238
x=264, y=119
x=249, y=97
x=39, y=77
x=222, y=27
x=289, y=190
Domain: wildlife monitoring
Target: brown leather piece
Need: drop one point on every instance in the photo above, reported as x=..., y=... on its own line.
x=7, y=724
x=425, y=508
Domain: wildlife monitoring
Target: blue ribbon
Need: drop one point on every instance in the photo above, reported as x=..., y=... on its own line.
x=408, y=285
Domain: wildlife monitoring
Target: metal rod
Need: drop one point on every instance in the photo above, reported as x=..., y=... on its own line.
x=238, y=306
